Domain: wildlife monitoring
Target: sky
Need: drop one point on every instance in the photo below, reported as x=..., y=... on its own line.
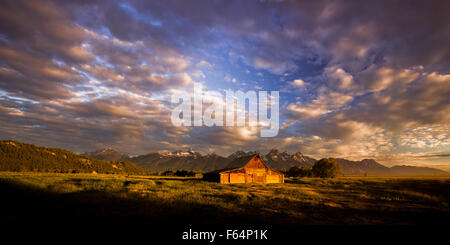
x=357, y=79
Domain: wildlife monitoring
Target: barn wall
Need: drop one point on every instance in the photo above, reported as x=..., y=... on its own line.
x=273, y=178
x=224, y=178
x=254, y=172
x=237, y=178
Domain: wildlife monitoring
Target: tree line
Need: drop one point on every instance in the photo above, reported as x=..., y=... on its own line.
x=324, y=168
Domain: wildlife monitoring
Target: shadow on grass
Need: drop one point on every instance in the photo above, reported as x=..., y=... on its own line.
x=105, y=216
x=24, y=203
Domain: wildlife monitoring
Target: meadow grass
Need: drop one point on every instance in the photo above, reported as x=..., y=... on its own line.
x=344, y=200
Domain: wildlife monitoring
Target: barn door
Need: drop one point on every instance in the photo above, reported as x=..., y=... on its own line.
x=250, y=178
x=259, y=178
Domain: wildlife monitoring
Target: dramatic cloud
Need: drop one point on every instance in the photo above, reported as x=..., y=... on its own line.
x=355, y=79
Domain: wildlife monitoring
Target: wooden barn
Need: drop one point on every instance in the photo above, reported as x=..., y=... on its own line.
x=250, y=170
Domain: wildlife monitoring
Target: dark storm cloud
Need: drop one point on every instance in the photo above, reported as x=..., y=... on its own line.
x=424, y=102
x=385, y=31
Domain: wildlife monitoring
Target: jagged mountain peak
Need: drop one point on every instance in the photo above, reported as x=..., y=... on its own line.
x=284, y=160
x=107, y=154
x=240, y=153
x=106, y=149
x=273, y=151
x=190, y=153
x=164, y=152
x=298, y=154
x=275, y=158
x=212, y=154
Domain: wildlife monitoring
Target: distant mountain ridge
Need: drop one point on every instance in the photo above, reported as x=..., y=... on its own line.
x=191, y=160
x=188, y=160
x=107, y=154
x=283, y=160
x=366, y=166
x=413, y=170
x=17, y=156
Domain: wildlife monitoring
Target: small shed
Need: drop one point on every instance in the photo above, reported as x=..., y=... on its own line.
x=250, y=169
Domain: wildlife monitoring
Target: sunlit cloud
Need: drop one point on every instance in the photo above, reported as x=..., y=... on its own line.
x=355, y=81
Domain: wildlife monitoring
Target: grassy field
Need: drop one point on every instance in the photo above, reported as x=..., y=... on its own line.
x=304, y=201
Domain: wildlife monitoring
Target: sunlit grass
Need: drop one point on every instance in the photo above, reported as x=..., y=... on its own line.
x=316, y=199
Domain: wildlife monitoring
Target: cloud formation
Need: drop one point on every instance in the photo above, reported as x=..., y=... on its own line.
x=356, y=79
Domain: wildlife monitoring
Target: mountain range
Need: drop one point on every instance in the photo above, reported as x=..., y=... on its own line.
x=17, y=156
x=279, y=160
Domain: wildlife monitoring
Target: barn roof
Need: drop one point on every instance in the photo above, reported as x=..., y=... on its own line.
x=240, y=161
x=252, y=161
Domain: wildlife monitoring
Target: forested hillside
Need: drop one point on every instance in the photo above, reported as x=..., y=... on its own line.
x=16, y=156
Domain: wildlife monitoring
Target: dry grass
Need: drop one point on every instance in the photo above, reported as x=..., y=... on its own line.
x=346, y=200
